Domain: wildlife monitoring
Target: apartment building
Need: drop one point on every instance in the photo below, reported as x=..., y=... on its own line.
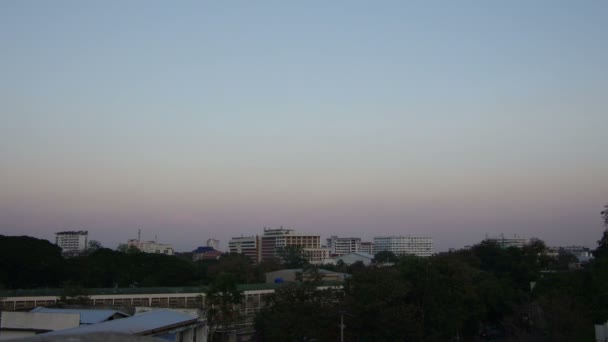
x=402, y=245
x=72, y=242
x=367, y=247
x=343, y=245
x=275, y=239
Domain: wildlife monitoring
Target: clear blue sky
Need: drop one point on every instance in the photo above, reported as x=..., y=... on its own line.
x=197, y=120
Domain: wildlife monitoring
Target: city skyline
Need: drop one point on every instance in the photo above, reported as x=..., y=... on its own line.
x=213, y=120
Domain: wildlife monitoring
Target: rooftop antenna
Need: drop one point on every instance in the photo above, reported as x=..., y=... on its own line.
x=139, y=235
x=155, y=238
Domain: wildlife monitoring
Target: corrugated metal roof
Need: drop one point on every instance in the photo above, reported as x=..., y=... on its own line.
x=136, y=325
x=86, y=316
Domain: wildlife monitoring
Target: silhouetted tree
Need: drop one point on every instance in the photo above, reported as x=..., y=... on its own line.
x=292, y=256
x=602, y=249
x=385, y=257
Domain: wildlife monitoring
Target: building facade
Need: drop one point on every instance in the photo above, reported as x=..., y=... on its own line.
x=274, y=240
x=403, y=245
x=342, y=246
x=316, y=256
x=504, y=242
x=151, y=247
x=367, y=247
x=72, y=242
x=246, y=245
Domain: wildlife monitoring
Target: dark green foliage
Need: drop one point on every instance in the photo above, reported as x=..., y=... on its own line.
x=385, y=257
x=26, y=262
x=292, y=257
x=602, y=248
x=239, y=265
x=223, y=299
x=300, y=312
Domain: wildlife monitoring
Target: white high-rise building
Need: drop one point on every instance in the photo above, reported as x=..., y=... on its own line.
x=402, y=245
x=72, y=242
x=213, y=243
x=343, y=245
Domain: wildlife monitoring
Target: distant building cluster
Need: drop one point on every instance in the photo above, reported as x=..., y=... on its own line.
x=268, y=246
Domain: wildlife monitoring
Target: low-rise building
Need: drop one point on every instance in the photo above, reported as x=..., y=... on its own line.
x=87, y=316
x=151, y=247
x=42, y=320
x=163, y=324
x=352, y=258
x=205, y=253
x=23, y=324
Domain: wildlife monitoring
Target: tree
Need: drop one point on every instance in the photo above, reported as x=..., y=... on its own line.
x=602, y=249
x=27, y=262
x=238, y=265
x=385, y=257
x=94, y=244
x=293, y=256
x=223, y=298
x=300, y=312
x=74, y=294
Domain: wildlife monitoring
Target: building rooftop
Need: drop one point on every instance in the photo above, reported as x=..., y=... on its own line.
x=142, y=324
x=86, y=316
x=203, y=249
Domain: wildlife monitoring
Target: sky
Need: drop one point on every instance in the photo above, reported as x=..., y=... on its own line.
x=193, y=120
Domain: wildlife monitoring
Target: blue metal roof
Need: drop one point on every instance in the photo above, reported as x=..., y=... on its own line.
x=86, y=316
x=141, y=324
x=203, y=249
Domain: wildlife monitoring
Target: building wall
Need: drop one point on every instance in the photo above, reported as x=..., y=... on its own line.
x=401, y=245
x=316, y=255
x=368, y=247
x=22, y=324
x=509, y=242
x=274, y=239
x=341, y=246
x=248, y=245
x=72, y=241
x=352, y=258
x=151, y=247
x=253, y=301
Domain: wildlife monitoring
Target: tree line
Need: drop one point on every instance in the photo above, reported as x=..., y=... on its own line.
x=486, y=290
x=29, y=263
x=483, y=293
